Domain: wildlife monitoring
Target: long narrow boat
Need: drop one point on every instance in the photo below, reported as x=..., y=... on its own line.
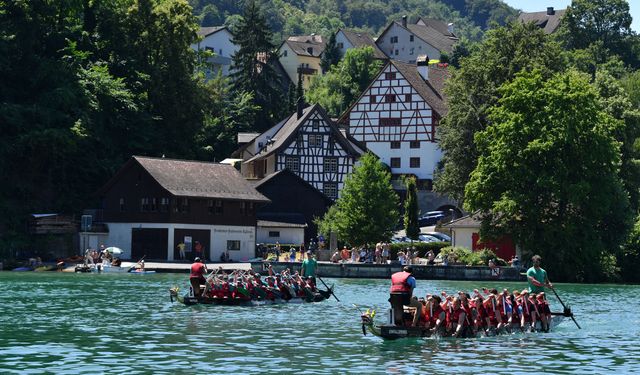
x=188, y=299
x=392, y=332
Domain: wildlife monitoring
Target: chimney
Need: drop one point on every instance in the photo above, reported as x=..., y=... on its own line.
x=422, y=64
x=313, y=35
x=550, y=11
x=300, y=107
x=450, y=28
x=404, y=21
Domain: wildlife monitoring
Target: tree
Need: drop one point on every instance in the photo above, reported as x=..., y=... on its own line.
x=367, y=209
x=548, y=174
x=330, y=55
x=299, y=88
x=411, y=210
x=252, y=66
x=472, y=90
x=340, y=87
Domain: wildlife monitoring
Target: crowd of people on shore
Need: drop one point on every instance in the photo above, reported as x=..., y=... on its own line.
x=380, y=254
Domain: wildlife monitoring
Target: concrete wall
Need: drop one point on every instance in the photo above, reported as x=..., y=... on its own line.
x=405, y=50
x=463, y=237
x=374, y=271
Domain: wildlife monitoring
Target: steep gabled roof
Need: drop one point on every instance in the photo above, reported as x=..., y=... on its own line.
x=206, y=31
x=286, y=172
x=359, y=39
x=185, y=178
x=440, y=41
x=439, y=25
x=469, y=221
x=430, y=90
x=548, y=22
x=287, y=132
x=300, y=45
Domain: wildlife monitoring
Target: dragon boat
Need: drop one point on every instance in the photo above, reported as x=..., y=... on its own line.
x=244, y=300
x=389, y=331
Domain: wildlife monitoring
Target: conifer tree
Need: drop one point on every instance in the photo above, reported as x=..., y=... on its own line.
x=299, y=88
x=411, y=226
x=252, y=65
x=330, y=55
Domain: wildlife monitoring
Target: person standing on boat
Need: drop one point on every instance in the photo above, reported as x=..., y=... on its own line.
x=402, y=286
x=198, y=270
x=309, y=267
x=537, y=276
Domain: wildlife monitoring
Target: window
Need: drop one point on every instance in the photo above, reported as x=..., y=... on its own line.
x=220, y=52
x=407, y=98
x=315, y=140
x=372, y=99
x=340, y=45
x=412, y=51
x=284, y=53
x=390, y=75
x=395, y=144
x=414, y=144
x=330, y=165
x=274, y=234
x=153, y=205
x=411, y=38
x=215, y=207
x=300, y=141
x=384, y=121
x=233, y=245
x=183, y=205
x=315, y=124
x=395, y=162
x=396, y=53
x=123, y=208
x=394, y=39
x=144, y=205
x=243, y=208
x=164, y=204
x=414, y=162
x=390, y=98
x=292, y=163
x=330, y=189
x=310, y=50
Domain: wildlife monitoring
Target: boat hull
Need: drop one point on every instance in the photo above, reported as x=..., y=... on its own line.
x=191, y=300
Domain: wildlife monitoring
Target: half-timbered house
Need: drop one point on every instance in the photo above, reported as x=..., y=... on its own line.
x=153, y=204
x=309, y=144
x=397, y=117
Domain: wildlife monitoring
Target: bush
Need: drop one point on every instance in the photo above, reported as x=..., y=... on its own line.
x=467, y=257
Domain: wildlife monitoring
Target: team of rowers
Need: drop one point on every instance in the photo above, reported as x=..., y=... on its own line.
x=464, y=315
x=247, y=285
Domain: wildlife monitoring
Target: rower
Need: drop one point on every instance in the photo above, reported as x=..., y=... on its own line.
x=198, y=270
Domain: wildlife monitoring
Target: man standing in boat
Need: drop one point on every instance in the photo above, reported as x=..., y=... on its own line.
x=402, y=285
x=198, y=270
x=309, y=267
x=537, y=276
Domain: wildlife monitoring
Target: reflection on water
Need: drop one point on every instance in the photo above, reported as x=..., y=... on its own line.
x=84, y=323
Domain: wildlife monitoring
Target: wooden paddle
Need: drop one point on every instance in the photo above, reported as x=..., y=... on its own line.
x=133, y=267
x=565, y=307
x=330, y=289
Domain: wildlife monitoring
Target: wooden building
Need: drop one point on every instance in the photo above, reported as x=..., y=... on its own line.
x=309, y=144
x=153, y=204
x=397, y=117
x=294, y=204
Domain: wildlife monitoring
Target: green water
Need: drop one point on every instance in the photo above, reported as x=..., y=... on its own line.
x=62, y=323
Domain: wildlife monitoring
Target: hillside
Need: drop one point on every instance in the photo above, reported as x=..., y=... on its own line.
x=297, y=17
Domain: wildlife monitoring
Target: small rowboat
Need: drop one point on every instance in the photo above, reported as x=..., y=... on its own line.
x=188, y=299
x=392, y=332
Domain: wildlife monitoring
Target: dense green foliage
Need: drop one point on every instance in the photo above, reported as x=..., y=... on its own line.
x=548, y=172
x=342, y=85
x=324, y=17
x=331, y=54
x=367, y=209
x=464, y=256
x=411, y=210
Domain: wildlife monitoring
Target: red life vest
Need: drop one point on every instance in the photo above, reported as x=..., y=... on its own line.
x=197, y=270
x=433, y=318
x=454, y=316
x=399, y=282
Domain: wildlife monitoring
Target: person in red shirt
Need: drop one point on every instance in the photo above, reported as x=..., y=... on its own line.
x=198, y=270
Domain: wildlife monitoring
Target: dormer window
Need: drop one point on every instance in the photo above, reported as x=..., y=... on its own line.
x=310, y=50
x=411, y=38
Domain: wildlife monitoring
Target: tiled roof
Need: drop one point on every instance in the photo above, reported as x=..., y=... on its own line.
x=437, y=39
x=469, y=221
x=206, y=31
x=549, y=23
x=278, y=224
x=300, y=45
x=432, y=89
x=359, y=39
x=439, y=25
x=287, y=132
x=200, y=179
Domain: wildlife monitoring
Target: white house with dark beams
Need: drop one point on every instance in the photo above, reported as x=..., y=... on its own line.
x=397, y=117
x=309, y=144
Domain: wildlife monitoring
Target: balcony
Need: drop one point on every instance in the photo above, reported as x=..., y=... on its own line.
x=307, y=71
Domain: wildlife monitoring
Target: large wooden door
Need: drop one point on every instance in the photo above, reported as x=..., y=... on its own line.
x=151, y=243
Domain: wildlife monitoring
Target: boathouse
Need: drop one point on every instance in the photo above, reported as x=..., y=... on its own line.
x=151, y=205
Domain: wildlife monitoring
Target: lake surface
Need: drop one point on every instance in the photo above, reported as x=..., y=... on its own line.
x=64, y=323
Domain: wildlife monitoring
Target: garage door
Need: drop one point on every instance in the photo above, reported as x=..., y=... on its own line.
x=150, y=243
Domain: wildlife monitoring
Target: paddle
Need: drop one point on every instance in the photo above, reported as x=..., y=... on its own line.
x=566, y=309
x=330, y=289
